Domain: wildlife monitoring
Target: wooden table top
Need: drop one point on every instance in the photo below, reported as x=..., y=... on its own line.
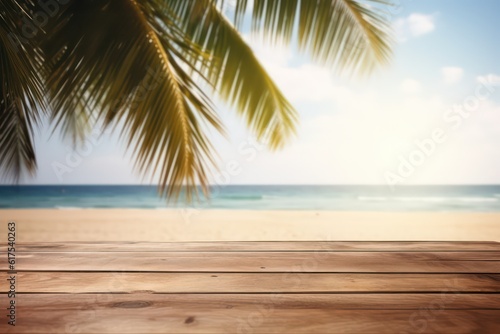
x=254, y=287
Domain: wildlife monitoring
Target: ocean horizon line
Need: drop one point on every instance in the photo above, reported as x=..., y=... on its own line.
x=475, y=198
x=262, y=185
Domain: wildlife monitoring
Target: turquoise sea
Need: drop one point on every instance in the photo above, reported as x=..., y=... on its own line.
x=338, y=198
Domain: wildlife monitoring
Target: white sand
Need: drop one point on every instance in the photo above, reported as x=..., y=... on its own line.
x=211, y=225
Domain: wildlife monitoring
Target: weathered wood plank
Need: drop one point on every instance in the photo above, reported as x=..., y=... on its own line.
x=382, y=262
x=85, y=282
x=266, y=246
x=257, y=288
x=112, y=313
x=359, y=301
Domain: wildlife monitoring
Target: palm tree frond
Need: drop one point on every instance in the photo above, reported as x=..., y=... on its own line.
x=22, y=100
x=352, y=36
x=235, y=71
x=136, y=77
x=17, y=153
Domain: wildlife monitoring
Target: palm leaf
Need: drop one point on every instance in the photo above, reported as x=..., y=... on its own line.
x=235, y=71
x=22, y=100
x=134, y=77
x=352, y=36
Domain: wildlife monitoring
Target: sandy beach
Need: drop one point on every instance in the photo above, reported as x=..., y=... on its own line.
x=245, y=225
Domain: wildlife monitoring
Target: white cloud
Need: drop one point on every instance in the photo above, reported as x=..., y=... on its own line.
x=367, y=133
x=304, y=83
x=307, y=83
x=356, y=142
x=452, y=75
x=492, y=79
x=410, y=86
x=414, y=25
x=421, y=24
x=276, y=54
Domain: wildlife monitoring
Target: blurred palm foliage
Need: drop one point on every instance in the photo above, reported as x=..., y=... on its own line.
x=150, y=69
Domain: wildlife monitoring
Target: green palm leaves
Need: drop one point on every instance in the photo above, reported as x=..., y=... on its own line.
x=21, y=95
x=145, y=66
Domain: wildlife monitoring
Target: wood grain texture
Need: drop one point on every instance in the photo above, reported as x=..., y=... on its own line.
x=264, y=246
x=261, y=287
x=449, y=300
x=254, y=314
x=334, y=262
x=116, y=282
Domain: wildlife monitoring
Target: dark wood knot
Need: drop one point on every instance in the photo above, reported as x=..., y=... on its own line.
x=189, y=320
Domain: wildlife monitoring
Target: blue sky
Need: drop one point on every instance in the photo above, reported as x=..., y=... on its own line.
x=431, y=117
